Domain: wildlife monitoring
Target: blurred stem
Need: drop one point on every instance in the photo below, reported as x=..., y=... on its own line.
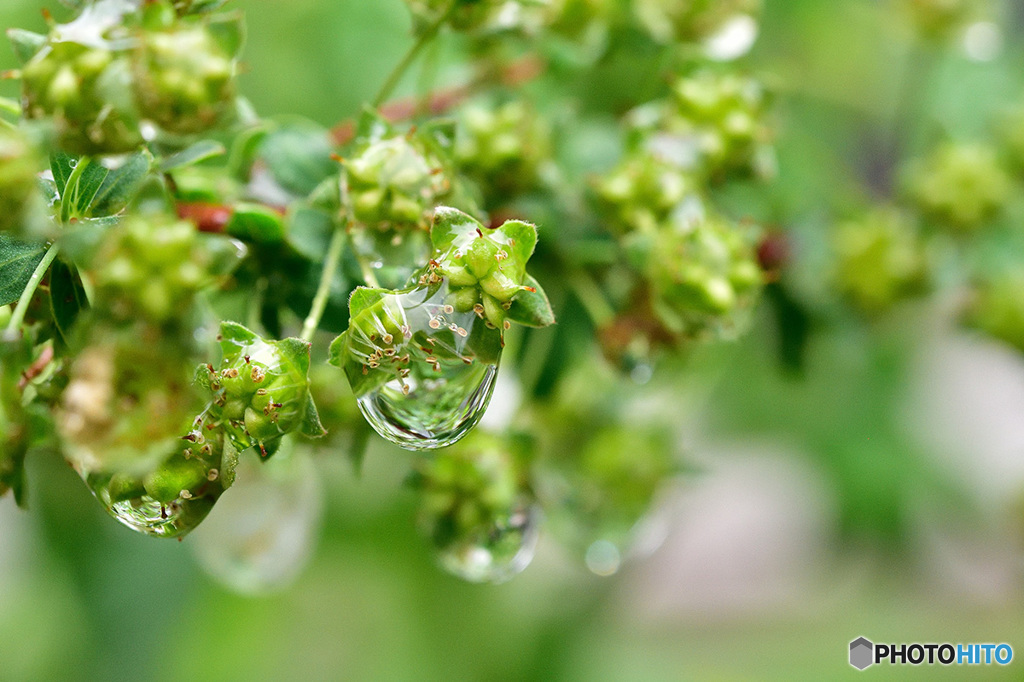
x=421, y=42
x=316, y=311
x=70, y=194
x=30, y=289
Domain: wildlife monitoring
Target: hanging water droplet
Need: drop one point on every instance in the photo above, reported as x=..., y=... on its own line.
x=264, y=530
x=167, y=500
x=495, y=553
x=388, y=257
x=421, y=366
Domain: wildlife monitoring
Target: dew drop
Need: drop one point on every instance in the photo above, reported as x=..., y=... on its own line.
x=144, y=514
x=435, y=386
x=497, y=553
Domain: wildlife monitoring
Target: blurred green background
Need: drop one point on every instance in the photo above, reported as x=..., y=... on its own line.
x=880, y=493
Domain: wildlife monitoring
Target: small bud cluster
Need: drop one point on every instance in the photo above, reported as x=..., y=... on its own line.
x=485, y=268
x=184, y=78
x=959, y=187
x=706, y=279
x=502, y=149
x=475, y=498
x=881, y=259
x=260, y=388
x=149, y=267
x=19, y=163
x=996, y=306
x=644, y=192
x=715, y=123
x=96, y=82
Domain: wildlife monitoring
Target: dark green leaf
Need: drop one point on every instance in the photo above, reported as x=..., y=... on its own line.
x=256, y=223
x=197, y=153
x=62, y=165
x=295, y=351
x=18, y=260
x=309, y=231
x=531, y=308
x=244, y=151
x=299, y=157
x=78, y=194
x=67, y=297
x=120, y=186
x=311, y=425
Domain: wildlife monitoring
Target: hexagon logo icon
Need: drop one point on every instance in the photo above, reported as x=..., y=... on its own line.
x=861, y=653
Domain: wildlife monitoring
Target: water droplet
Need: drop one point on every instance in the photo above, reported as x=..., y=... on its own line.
x=144, y=514
x=264, y=530
x=423, y=377
x=388, y=257
x=496, y=553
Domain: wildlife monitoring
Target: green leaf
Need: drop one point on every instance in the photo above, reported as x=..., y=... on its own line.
x=26, y=44
x=67, y=297
x=197, y=153
x=299, y=156
x=79, y=194
x=363, y=298
x=372, y=126
x=309, y=231
x=228, y=464
x=295, y=351
x=531, y=308
x=120, y=186
x=234, y=338
x=311, y=425
x=228, y=30
x=244, y=151
x=338, y=350
x=485, y=343
x=62, y=165
x=525, y=237
x=18, y=260
x=452, y=227
x=256, y=223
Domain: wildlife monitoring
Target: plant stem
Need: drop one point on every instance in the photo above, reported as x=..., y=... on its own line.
x=316, y=312
x=590, y=295
x=70, y=193
x=422, y=41
x=30, y=289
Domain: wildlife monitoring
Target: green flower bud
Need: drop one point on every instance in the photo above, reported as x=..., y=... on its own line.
x=881, y=259
x=151, y=267
x=260, y=388
x=996, y=307
x=85, y=91
x=475, y=506
x=184, y=77
x=502, y=149
x=644, y=192
x=959, y=187
x=703, y=277
x=483, y=265
x=19, y=163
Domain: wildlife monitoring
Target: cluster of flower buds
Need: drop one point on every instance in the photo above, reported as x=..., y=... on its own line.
x=693, y=21
x=260, y=389
x=645, y=192
x=184, y=72
x=19, y=187
x=959, y=187
x=881, y=259
x=393, y=183
x=502, y=149
x=479, y=16
x=996, y=306
x=98, y=78
x=149, y=267
x=477, y=509
x=706, y=279
x=485, y=268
